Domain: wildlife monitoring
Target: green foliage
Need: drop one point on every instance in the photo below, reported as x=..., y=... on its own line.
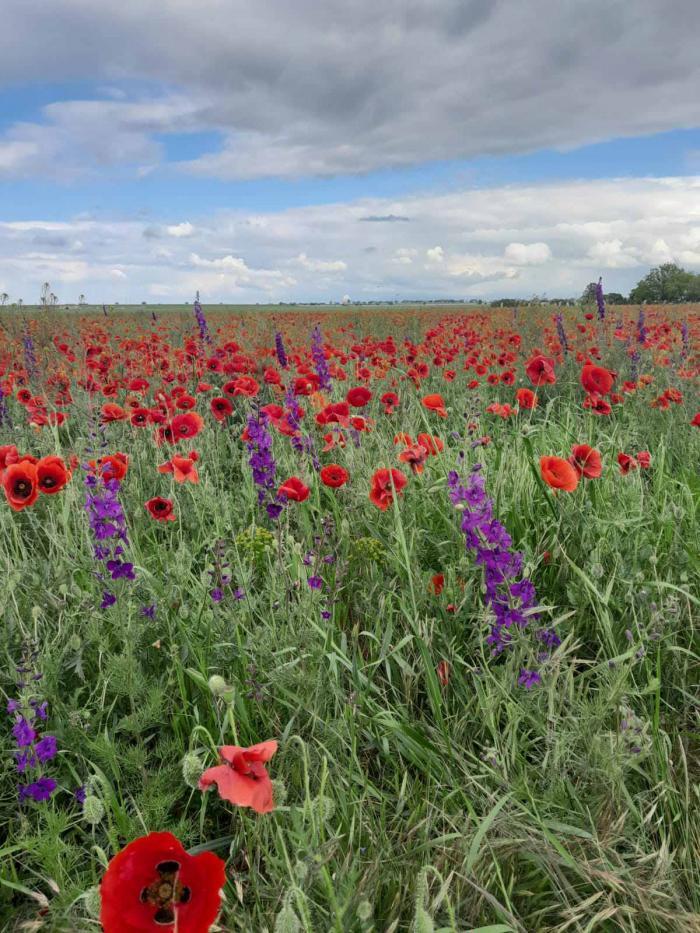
x=401, y=803
x=667, y=283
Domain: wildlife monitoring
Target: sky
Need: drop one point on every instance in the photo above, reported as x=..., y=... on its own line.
x=291, y=150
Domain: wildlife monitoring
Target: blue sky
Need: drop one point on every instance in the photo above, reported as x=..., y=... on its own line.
x=172, y=128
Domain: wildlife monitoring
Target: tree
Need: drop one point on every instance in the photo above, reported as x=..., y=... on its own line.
x=615, y=298
x=666, y=283
x=589, y=292
x=45, y=291
x=4, y=298
x=81, y=300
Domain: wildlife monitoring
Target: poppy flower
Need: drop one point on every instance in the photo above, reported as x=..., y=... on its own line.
x=433, y=445
x=185, y=402
x=221, y=408
x=111, y=412
x=247, y=386
x=384, y=483
x=597, y=404
x=153, y=884
x=182, y=469
x=186, y=425
x=437, y=583
x=20, y=484
x=358, y=397
x=334, y=476
x=586, y=461
x=242, y=778
x=558, y=473
x=443, y=673
x=540, y=370
x=52, y=475
x=161, y=509
x=435, y=403
x=627, y=463
x=389, y=400
x=8, y=454
x=597, y=380
x=415, y=457
x=696, y=420
x=402, y=438
x=644, y=459
x=526, y=399
x=140, y=417
x=114, y=466
x=293, y=488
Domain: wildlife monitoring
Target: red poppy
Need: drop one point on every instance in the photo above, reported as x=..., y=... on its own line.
x=20, y=484
x=696, y=420
x=8, y=454
x=182, y=469
x=52, y=475
x=384, y=483
x=597, y=404
x=242, y=778
x=415, y=457
x=114, y=466
x=644, y=459
x=358, y=397
x=334, y=476
x=443, y=672
x=540, y=370
x=586, y=461
x=153, y=884
x=389, y=400
x=627, y=463
x=435, y=403
x=437, y=583
x=433, y=445
x=403, y=438
x=111, y=412
x=186, y=425
x=221, y=408
x=247, y=386
x=185, y=402
x=140, y=417
x=558, y=473
x=293, y=488
x=161, y=509
x=596, y=380
x=526, y=398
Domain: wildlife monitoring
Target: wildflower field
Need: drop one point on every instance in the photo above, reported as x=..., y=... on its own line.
x=350, y=620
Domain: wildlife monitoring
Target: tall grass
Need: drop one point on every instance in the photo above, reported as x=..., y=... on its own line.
x=401, y=803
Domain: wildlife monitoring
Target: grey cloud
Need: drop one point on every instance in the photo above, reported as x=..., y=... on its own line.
x=319, y=89
x=384, y=218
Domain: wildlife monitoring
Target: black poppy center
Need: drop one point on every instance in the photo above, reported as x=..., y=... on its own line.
x=23, y=489
x=48, y=482
x=166, y=892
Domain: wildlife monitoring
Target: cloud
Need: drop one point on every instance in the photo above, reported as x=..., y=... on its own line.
x=320, y=265
x=180, y=230
x=298, y=89
x=498, y=242
x=385, y=219
x=531, y=254
x=435, y=254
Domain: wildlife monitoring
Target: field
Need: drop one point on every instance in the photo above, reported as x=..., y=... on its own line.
x=481, y=670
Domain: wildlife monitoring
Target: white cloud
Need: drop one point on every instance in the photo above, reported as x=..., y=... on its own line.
x=530, y=254
x=320, y=265
x=180, y=230
x=435, y=254
x=615, y=228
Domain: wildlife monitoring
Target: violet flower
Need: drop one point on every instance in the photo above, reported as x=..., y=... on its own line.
x=34, y=750
x=509, y=595
x=319, y=357
x=600, y=299
x=281, y=353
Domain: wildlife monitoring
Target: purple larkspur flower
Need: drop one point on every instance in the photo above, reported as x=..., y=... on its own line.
x=23, y=732
x=279, y=349
x=319, y=357
x=39, y=790
x=46, y=748
x=217, y=594
x=600, y=299
x=529, y=679
x=315, y=582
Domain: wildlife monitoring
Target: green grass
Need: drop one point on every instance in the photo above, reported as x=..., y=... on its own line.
x=401, y=804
